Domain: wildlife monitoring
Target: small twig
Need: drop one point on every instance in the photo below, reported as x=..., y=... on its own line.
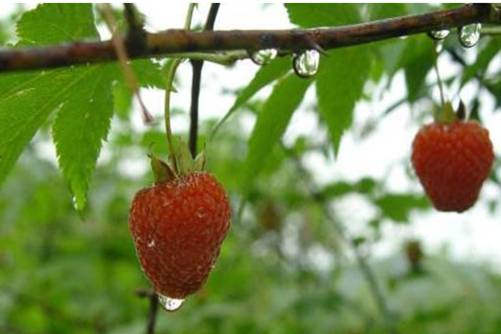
x=153, y=310
x=119, y=47
x=197, y=66
x=152, y=315
x=367, y=272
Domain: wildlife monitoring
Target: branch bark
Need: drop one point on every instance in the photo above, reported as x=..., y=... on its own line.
x=182, y=41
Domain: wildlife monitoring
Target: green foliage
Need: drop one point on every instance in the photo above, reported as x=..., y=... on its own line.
x=81, y=124
x=417, y=60
x=53, y=23
x=381, y=11
x=82, y=97
x=263, y=77
x=335, y=78
x=346, y=84
x=398, y=206
x=272, y=122
x=25, y=103
x=317, y=15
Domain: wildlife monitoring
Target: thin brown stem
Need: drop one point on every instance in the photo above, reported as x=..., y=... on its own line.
x=152, y=314
x=197, y=66
x=181, y=41
x=153, y=310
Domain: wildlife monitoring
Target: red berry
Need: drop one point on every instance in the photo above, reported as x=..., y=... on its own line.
x=452, y=160
x=178, y=227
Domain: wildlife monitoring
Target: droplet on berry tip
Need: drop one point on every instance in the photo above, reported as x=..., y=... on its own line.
x=168, y=303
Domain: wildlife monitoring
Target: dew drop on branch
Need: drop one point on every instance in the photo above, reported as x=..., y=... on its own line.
x=439, y=34
x=469, y=35
x=168, y=303
x=264, y=56
x=305, y=64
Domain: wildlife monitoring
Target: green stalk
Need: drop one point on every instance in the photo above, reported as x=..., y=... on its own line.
x=169, y=81
x=439, y=79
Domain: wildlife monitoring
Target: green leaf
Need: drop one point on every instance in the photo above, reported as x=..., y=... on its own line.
x=485, y=56
x=272, y=122
x=390, y=54
x=263, y=77
x=339, y=86
x=122, y=100
x=417, y=60
x=363, y=186
x=378, y=11
x=54, y=23
x=149, y=74
x=26, y=100
x=322, y=14
x=81, y=125
x=398, y=206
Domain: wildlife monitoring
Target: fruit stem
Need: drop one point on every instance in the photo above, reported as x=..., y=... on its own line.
x=171, y=73
x=169, y=82
x=437, y=72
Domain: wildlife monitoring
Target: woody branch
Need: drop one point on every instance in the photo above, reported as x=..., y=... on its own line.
x=175, y=41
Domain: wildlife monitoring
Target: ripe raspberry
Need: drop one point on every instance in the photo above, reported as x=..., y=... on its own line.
x=178, y=227
x=452, y=160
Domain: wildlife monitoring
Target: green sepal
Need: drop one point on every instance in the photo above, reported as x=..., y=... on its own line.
x=447, y=114
x=184, y=161
x=199, y=163
x=161, y=171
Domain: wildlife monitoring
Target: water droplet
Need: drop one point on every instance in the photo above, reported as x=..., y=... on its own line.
x=306, y=63
x=264, y=56
x=439, y=34
x=439, y=46
x=76, y=205
x=469, y=35
x=169, y=304
x=151, y=243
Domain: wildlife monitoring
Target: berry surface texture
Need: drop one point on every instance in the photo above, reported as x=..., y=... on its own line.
x=452, y=160
x=178, y=227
